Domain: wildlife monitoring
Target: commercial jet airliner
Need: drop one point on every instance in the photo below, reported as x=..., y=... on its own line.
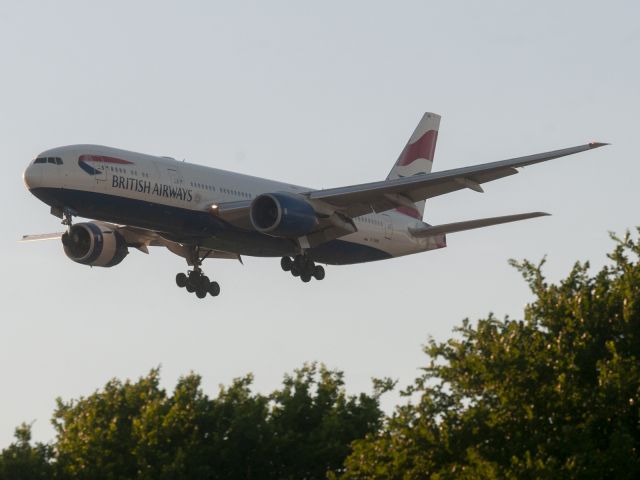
x=197, y=212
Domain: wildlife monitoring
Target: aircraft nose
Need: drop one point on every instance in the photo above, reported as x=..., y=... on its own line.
x=31, y=176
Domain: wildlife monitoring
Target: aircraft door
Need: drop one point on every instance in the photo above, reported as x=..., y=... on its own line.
x=388, y=227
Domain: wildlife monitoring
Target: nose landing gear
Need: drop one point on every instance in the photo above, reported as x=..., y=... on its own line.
x=302, y=266
x=195, y=281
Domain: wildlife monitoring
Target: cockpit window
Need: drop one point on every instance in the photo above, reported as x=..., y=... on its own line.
x=51, y=160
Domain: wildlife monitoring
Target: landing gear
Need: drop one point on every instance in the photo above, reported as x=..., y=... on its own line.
x=181, y=280
x=68, y=217
x=198, y=283
x=67, y=221
x=302, y=266
x=286, y=263
x=195, y=281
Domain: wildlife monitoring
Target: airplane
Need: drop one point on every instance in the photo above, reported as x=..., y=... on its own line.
x=138, y=201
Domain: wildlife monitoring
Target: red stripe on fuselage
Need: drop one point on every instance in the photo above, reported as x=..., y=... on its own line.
x=104, y=159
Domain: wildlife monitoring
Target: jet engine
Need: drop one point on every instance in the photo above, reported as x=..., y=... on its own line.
x=94, y=244
x=283, y=214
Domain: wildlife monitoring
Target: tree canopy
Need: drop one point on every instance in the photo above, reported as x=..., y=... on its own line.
x=137, y=430
x=552, y=395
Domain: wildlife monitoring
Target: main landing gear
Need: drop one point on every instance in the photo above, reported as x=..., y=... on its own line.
x=195, y=281
x=302, y=266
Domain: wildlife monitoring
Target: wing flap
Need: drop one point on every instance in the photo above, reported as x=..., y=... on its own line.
x=431, y=230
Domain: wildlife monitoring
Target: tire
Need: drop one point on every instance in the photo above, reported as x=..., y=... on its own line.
x=298, y=262
x=305, y=277
x=204, y=283
x=181, y=280
x=214, y=289
x=318, y=272
x=190, y=287
x=200, y=293
x=286, y=263
x=295, y=271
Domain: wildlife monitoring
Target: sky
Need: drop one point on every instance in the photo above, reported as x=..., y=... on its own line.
x=323, y=94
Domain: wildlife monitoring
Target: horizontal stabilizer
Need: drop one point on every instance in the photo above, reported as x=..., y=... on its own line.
x=41, y=236
x=430, y=230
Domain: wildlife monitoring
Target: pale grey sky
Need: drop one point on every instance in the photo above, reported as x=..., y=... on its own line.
x=321, y=94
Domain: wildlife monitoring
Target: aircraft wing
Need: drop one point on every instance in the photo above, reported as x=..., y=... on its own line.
x=142, y=239
x=42, y=236
x=430, y=230
x=356, y=200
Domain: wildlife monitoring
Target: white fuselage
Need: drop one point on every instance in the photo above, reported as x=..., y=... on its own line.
x=165, y=195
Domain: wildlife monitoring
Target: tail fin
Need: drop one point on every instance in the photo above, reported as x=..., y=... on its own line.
x=417, y=157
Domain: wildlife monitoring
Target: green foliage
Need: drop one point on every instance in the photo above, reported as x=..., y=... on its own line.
x=553, y=396
x=23, y=461
x=136, y=430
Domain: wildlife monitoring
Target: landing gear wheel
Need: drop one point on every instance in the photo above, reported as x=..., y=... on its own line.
x=302, y=266
x=181, y=280
x=195, y=281
x=300, y=261
x=214, y=289
x=200, y=293
x=318, y=272
x=286, y=263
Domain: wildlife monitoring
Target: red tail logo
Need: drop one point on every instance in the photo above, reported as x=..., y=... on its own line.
x=424, y=147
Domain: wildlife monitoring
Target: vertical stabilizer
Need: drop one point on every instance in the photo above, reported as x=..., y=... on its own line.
x=417, y=157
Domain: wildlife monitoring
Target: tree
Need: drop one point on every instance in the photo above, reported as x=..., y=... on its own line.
x=314, y=422
x=23, y=461
x=552, y=396
x=136, y=430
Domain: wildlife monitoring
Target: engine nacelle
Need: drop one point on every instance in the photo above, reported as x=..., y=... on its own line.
x=94, y=244
x=283, y=214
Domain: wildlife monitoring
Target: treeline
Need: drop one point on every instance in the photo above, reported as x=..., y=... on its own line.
x=553, y=395
x=138, y=430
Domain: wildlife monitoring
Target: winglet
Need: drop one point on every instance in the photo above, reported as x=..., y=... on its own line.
x=597, y=144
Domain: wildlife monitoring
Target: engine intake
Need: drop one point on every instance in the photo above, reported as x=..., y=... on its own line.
x=94, y=244
x=283, y=214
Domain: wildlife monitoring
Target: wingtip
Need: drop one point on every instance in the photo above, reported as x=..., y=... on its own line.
x=597, y=144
